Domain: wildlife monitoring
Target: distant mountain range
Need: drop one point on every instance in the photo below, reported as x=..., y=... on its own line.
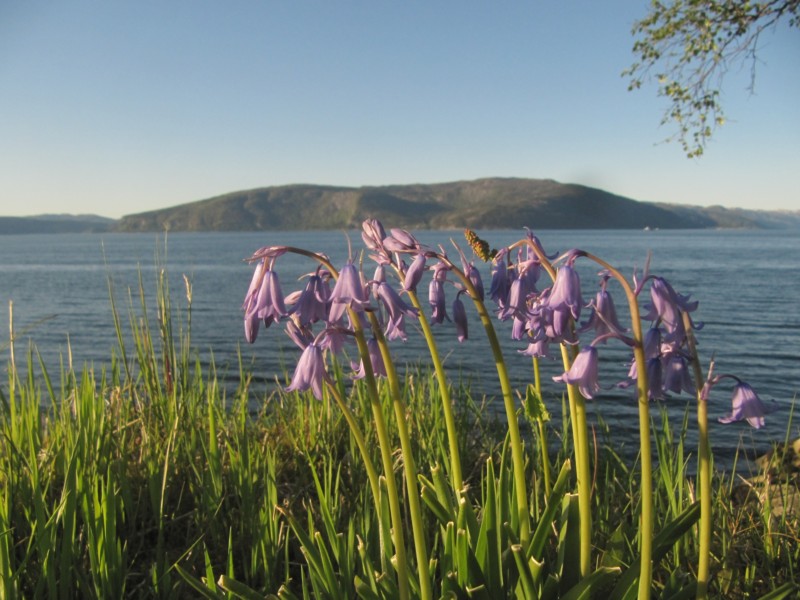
x=492, y=203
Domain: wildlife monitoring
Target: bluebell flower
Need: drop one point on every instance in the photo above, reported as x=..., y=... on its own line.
x=676, y=375
x=311, y=305
x=460, y=317
x=300, y=335
x=537, y=348
x=264, y=301
x=500, y=284
x=251, y=318
x=375, y=359
x=436, y=296
x=347, y=293
x=583, y=372
x=666, y=305
x=603, y=319
x=566, y=292
x=400, y=240
x=516, y=304
x=472, y=273
x=373, y=234
x=310, y=372
x=414, y=273
x=397, y=310
x=746, y=405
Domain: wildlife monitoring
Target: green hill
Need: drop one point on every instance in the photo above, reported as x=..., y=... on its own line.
x=493, y=203
x=485, y=203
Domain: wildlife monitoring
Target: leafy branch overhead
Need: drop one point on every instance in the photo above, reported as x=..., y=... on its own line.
x=688, y=46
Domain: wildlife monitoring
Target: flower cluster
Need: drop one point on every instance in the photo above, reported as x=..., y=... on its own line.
x=550, y=316
x=542, y=316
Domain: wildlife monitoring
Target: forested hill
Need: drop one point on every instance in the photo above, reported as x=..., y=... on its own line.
x=482, y=204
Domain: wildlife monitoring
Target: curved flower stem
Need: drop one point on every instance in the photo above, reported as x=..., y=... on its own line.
x=580, y=437
x=409, y=466
x=386, y=458
x=372, y=473
x=517, y=454
x=703, y=467
x=646, y=522
x=383, y=435
x=444, y=391
x=647, y=517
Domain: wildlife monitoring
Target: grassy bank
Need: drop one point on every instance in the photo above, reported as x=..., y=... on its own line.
x=147, y=479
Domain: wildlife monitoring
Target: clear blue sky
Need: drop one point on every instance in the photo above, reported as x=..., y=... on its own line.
x=120, y=107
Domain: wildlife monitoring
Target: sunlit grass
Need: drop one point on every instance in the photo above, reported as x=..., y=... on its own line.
x=147, y=478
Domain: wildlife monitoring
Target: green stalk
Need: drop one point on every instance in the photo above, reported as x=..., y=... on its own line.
x=372, y=473
x=646, y=520
x=409, y=466
x=444, y=390
x=537, y=385
x=517, y=453
x=386, y=458
x=647, y=517
x=577, y=408
x=703, y=468
x=580, y=436
x=381, y=430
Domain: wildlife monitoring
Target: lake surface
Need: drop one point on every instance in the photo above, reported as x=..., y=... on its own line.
x=747, y=282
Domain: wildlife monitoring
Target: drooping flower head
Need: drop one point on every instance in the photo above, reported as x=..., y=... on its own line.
x=311, y=305
x=676, y=374
x=375, y=359
x=603, y=319
x=264, y=300
x=746, y=405
x=414, y=273
x=347, y=293
x=666, y=305
x=397, y=310
x=566, y=292
x=300, y=335
x=500, y=284
x=583, y=372
x=436, y=296
x=310, y=372
x=460, y=317
x=472, y=273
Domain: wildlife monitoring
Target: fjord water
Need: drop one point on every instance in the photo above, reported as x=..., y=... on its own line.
x=747, y=283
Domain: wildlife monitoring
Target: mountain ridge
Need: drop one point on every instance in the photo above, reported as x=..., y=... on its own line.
x=487, y=203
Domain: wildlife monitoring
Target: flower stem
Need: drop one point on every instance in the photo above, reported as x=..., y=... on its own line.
x=444, y=391
x=372, y=473
x=646, y=457
x=703, y=467
x=537, y=385
x=577, y=408
x=409, y=466
x=396, y=514
x=386, y=458
x=517, y=452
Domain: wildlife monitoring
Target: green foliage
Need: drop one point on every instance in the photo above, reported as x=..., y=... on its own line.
x=148, y=480
x=688, y=46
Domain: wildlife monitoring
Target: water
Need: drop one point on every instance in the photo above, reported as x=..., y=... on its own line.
x=747, y=282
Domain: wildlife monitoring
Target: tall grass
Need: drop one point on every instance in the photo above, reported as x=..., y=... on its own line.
x=149, y=479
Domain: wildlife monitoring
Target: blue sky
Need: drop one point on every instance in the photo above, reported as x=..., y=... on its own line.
x=114, y=108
